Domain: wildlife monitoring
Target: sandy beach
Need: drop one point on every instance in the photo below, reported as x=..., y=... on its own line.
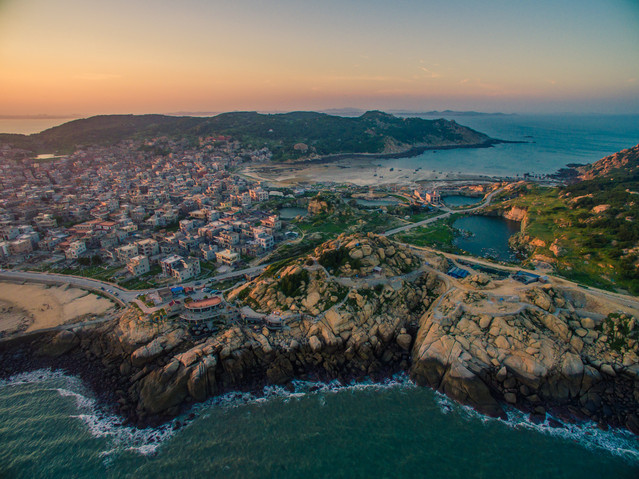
x=361, y=172
x=31, y=307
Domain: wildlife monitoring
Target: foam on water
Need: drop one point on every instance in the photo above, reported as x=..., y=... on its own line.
x=619, y=442
x=300, y=389
x=102, y=424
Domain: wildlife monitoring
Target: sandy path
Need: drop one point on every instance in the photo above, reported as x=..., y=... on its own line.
x=47, y=307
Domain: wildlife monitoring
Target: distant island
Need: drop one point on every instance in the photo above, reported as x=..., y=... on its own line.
x=436, y=113
x=289, y=136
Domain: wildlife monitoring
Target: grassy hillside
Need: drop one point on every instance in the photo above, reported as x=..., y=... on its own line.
x=373, y=132
x=589, y=229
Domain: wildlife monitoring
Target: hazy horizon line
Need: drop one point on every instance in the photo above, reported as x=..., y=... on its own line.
x=333, y=111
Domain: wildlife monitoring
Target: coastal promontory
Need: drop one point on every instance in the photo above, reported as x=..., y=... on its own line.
x=295, y=135
x=363, y=306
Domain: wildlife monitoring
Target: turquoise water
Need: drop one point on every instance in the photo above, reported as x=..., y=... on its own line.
x=554, y=142
x=290, y=213
x=487, y=236
x=50, y=427
x=458, y=200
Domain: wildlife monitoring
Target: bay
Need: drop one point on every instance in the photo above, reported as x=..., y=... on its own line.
x=50, y=427
x=28, y=126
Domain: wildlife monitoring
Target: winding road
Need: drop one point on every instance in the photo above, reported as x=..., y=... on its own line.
x=447, y=213
x=113, y=291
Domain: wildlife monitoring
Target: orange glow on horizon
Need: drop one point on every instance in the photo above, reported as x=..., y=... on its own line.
x=143, y=56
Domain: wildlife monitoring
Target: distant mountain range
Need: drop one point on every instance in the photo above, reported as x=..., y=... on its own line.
x=288, y=135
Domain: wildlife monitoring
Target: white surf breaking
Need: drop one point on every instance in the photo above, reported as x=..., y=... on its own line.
x=99, y=422
x=587, y=434
x=299, y=389
x=102, y=424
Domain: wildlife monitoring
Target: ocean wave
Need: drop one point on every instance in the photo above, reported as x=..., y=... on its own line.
x=99, y=422
x=120, y=437
x=299, y=389
x=618, y=442
x=34, y=377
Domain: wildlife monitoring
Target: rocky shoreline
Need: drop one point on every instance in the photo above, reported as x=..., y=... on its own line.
x=365, y=307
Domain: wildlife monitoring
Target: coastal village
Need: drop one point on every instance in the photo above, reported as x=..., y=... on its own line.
x=159, y=214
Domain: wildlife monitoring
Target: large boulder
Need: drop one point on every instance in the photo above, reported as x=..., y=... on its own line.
x=164, y=389
x=462, y=385
x=60, y=344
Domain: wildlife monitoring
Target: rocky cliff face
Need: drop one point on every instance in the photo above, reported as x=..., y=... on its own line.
x=627, y=159
x=322, y=280
x=482, y=341
x=533, y=351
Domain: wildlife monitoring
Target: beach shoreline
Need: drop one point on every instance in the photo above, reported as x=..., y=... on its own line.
x=32, y=307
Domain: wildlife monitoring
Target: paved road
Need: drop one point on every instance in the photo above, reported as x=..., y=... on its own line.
x=120, y=295
x=624, y=299
x=447, y=213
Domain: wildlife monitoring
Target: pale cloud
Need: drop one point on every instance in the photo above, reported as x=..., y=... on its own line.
x=631, y=80
x=464, y=81
x=430, y=73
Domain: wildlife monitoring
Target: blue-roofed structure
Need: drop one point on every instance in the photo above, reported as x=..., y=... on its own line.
x=457, y=273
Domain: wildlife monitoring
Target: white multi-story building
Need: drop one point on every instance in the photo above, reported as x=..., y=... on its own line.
x=75, y=249
x=258, y=194
x=181, y=268
x=168, y=263
x=272, y=222
x=266, y=241
x=227, y=257
x=126, y=252
x=138, y=265
x=148, y=247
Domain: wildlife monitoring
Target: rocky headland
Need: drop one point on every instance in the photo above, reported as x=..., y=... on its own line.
x=364, y=306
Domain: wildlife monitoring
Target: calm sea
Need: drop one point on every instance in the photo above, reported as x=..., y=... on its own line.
x=553, y=141
x=29, y=126
x=50, y=427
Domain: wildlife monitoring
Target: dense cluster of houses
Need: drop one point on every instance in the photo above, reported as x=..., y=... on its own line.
x=128, y=204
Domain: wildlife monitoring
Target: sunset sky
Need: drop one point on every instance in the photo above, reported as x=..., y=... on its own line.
x=158, y=56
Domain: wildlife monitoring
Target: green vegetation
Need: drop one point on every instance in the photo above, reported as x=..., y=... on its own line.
x=439, y=235
x=137, y=283
x=620, y=330
x=102, y=273
x=292, y=284
x=321, y=133
x=146, y=281
x=243, y=294
x=90, y=261
x=336, y=258
x=588, y=228
x=275, y=267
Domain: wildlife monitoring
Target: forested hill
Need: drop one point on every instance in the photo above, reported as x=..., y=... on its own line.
x=314, y=133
